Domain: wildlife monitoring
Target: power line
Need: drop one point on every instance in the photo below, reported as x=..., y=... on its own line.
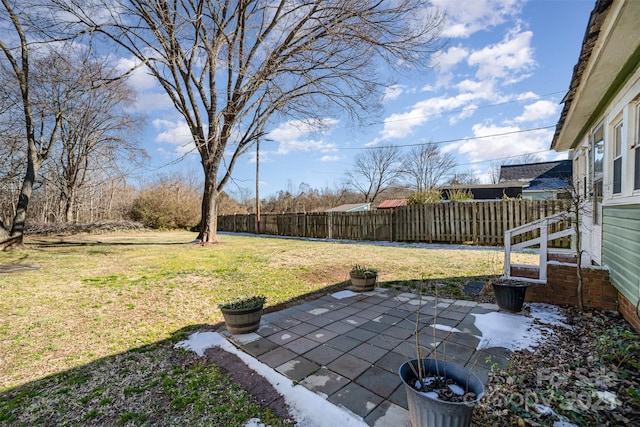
x=447, y=141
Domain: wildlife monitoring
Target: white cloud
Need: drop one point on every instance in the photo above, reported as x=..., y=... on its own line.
x=468, y=17
x=400, y=125
x=537, y=111
x=446, y=60
x=392, y=92
x=294, y=135
x=489, y=147
x=175, y=133
x=139, y=79
x=147, y=102
x=510, y=59
x=329, y=158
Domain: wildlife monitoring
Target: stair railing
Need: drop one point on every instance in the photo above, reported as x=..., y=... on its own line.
x=542, y=241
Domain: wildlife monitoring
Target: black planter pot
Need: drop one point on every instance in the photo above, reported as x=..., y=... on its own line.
x=510, y=295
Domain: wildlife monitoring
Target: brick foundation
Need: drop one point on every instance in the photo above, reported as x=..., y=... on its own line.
x=562, y=283
x=628, y=311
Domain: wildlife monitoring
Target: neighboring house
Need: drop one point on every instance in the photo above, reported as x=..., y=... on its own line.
x=541, y=181
x=486, y=191
x=392, y=203
x=600, y=127
x=351, y=207
x=537, y=181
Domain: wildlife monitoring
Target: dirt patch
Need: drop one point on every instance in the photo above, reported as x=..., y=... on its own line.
x=327, y=274
x=261, y=389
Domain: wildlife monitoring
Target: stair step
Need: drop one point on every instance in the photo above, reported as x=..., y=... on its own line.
x=525, y=271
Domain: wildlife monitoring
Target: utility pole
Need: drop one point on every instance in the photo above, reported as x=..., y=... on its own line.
x=258, y=186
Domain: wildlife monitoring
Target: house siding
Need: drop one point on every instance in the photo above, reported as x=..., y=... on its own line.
x=621, y=248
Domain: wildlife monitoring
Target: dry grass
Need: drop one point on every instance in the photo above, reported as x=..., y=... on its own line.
x=96, y=296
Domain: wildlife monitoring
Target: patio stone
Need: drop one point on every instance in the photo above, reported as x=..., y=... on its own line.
x=385, y=341
x=322, y=335
x=298, y=368
x=286, y=323
x=301, y=345
x=368, y=352
x=324, y=382
x=355, y=320
x=379, y=381
x=399, y=396
x=464, y=339
x=375, y=326
x=323, y=355
x=261, y=346
x=343, y=343
x=349, y=366
x=387, y=319
x=362, y=305
x=302, y=315
x=452, y=314
x=340, y=327
x=391, y=362
x=455, y=353
x=379, y=308
x=360, y=334
x=388, y=414
x=277, y=357
x=357, y=399
x=397, y=332
x=283, y=337
x=390, y=303
x=319, y=321
x=268, y=329
x=303, y=329
x=369, y=314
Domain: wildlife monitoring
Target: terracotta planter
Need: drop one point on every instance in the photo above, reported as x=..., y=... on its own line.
x=510, y=294
x=363, y=283
x=242, y=321
x=430, y=411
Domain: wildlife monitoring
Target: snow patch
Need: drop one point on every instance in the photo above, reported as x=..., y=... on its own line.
x=308, y=408
x=343, y=294
x=318, y=311
x=445, y=328
x=254, y=422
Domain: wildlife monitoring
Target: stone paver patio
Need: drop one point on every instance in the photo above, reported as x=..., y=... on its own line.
x=348, y=347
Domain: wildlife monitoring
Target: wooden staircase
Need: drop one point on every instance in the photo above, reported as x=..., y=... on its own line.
x=536, y=236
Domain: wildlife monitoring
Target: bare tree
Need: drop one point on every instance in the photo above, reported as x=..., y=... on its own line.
x=232, y=67
x=424, y=166
x=96, y=131
x=464, y=178
x=41, y=121
x=374, y=171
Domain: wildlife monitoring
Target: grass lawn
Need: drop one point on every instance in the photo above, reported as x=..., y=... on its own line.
x=103, y=310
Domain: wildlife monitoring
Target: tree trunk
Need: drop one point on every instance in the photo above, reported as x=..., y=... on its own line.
x=209, y=218
x=16, y=236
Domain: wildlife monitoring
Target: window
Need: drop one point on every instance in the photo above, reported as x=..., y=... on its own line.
x=636, y=149
x=618, y=135
x=596, y=155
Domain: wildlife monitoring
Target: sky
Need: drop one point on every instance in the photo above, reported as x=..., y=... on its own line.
x=493, y=93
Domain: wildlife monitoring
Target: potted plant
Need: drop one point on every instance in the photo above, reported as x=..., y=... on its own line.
x=362, y=278
x=509, y=293
x=439, y=393
x=242, y=314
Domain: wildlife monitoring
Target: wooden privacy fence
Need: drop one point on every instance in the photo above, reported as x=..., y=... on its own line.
x=475, y=222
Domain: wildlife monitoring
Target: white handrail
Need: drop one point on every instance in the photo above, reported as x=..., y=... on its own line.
x=541, y=224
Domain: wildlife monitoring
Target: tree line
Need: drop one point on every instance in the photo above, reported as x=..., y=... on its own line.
x=230, y=68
